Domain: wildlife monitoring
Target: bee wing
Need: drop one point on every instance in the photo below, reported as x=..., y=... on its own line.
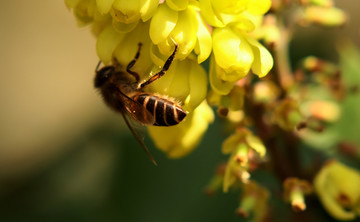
x=136, y=110
x=137, y=135
x=138, y=113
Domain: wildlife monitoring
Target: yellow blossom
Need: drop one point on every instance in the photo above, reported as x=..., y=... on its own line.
x=84, y=10
x=185, y=27
x=86, y=13
x=235, y=54
x=126, y=14
x=221, y=13
x=337, y=186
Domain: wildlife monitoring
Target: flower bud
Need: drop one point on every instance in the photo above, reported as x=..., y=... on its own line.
x=241, y=145
x=287, y=114
x=217, y=180
x=326, y=16
x=266, y=92
x=294, y=192
x=322, y=110
x=253, y=201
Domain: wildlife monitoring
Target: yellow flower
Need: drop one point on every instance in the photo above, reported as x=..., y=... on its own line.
x=86, y=13
x=185, y=27
x=179, y=140
x=234, y=55
x=84, y=10
x=126, y=14
x=338, y=187
x=221, y=13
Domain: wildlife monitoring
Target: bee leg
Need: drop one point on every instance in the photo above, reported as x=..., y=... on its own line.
x=98, y=66
x=132, y=63
x=162, y=71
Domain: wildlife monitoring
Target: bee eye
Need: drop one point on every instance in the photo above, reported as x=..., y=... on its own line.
x=103, y=75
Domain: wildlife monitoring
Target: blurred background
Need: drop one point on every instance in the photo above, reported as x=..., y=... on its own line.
x=64, y=155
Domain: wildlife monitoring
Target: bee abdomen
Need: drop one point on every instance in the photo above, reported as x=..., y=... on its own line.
x=166, y=112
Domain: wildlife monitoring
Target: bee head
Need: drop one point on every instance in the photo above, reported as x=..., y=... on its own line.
x=103, y=75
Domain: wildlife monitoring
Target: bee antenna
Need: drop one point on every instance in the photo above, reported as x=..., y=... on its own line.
x=98, y=65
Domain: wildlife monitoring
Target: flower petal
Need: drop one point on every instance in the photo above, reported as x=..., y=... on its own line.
x=256, y=144
x=127, y=48
x=218, y=85
x=198, y=86
x=123, y=27
x=104, y=6
x=126, y=11
x=230, y=144
x=106, y=43
x=184, y=33
x=207, y=11
x=148, y=8
x=258, y=7
x=162, y=23
x=232, y=52
x=177, y=5
x=263, y=61
x=204, y=42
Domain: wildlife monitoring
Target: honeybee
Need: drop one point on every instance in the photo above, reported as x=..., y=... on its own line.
x=122, y=92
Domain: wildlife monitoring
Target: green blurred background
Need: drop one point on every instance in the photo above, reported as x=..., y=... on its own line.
x=65, y=156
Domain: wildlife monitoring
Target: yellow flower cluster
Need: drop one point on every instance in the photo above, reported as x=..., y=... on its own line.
x=235, y=51
x=201, y=28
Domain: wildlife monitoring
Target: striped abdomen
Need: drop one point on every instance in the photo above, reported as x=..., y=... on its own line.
x=166, y=112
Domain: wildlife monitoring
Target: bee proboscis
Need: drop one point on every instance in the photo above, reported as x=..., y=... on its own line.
x=126, y=96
